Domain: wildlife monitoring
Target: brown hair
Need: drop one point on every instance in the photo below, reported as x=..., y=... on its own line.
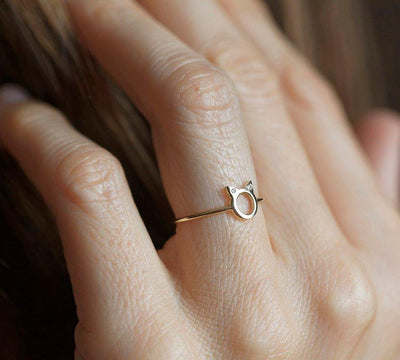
x=38, y=50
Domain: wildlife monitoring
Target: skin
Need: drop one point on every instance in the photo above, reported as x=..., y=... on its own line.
x=379, y=134
x=313, y=276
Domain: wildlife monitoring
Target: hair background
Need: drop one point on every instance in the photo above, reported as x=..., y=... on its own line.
x=354, y=43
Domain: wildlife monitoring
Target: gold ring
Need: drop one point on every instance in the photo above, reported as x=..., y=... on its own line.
x=234, y=194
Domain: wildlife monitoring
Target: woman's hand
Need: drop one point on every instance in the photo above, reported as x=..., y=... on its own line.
x=315, y=275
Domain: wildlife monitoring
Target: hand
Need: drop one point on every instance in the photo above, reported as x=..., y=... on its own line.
x=314, y=275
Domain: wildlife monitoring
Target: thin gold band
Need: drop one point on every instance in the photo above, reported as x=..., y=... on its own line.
x=208, y=213
x=234, y=194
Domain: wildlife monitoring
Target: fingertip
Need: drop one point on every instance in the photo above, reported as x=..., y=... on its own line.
x=380, y=123
x=379, y=135
x=11, y=94
x=383, y=114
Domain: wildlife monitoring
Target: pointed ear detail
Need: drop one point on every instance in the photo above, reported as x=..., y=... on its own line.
x=231, y=189
x=249, y=186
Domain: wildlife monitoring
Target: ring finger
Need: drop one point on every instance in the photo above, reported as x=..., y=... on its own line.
x=197, y=129
x=284, y=174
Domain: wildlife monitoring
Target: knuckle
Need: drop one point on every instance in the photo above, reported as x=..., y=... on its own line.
x=253, y=78
x=351, y=302
x=203, y=90
x=267, y=338
x=159, y=336
x=90, y=174
x=164, y=340
x=254, y=8
x=267, y=330
x=104, y=11
x=307, y=88
x=77, y=355
x=82, y=338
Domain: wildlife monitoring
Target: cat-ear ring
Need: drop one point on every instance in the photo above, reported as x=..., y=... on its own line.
x=234, y=194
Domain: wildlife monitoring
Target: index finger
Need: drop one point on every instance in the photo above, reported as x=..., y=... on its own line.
x=114, y=268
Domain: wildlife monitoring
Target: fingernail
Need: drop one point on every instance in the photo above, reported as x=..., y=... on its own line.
x=11, y=94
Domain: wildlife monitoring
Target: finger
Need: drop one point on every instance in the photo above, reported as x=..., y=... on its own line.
x=379, y=134
x=338, y=163
x=253, y=18
x=277, y=151
x=203, y=94
x=114, y=268
x=198, y=134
